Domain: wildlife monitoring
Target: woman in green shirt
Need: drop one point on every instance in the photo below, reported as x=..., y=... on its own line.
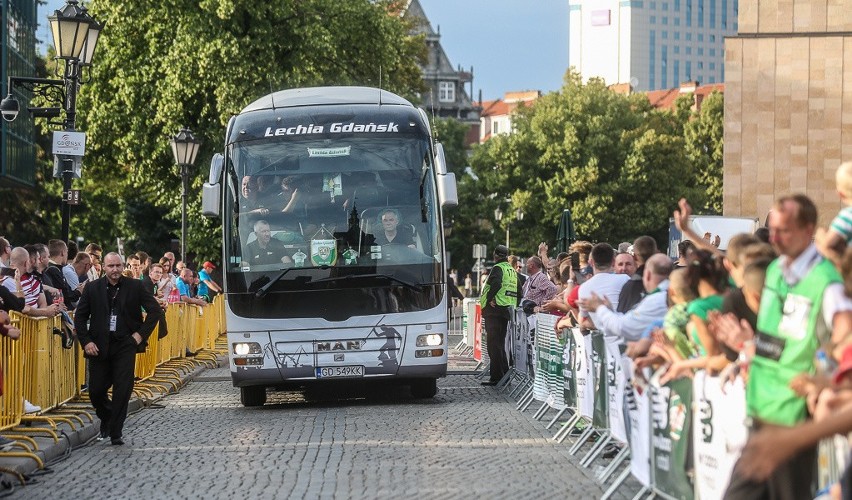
x=708, y=277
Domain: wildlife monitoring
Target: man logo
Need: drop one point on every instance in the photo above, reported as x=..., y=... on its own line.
x=351, y=345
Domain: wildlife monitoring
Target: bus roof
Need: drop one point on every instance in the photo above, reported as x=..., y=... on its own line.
x=319, y=96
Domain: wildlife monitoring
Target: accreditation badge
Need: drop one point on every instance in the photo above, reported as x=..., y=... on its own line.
x=324, y=252
x=795, y=315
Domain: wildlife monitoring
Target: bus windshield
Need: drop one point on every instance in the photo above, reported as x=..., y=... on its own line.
x=331, y=211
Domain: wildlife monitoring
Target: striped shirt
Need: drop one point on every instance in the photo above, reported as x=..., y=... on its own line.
x=842, y=224
x=31, y=286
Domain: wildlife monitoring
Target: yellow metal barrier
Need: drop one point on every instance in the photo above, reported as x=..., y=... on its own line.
x=36, y=337
x=146, y=362
x=50, y=376
x=38, y=368
x=12, y=401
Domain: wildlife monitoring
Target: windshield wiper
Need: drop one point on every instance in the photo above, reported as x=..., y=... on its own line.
x=265, y=288
x=406, y=284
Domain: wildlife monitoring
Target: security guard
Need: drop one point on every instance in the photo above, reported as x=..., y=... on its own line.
x=499, y=295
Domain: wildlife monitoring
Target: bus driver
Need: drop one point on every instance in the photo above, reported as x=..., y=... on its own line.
x=265, y=249
x=391, y=235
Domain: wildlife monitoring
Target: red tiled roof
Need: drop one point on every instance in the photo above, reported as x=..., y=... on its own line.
x=665, y=99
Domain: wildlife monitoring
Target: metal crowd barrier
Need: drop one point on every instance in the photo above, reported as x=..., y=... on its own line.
x=679, y=440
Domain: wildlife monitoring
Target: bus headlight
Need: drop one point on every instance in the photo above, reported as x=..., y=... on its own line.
x=244, y=348
x=430, y=340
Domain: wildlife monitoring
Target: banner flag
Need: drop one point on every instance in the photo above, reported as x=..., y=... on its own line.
x=542, y=362
x=719, y=432
x=568, y=367
x=616, y=381
x=545, y=331
x=478, y=334
x=586, y=384
x=639, y=407
x=600, y=417
x=520, y=338
x=671, y=419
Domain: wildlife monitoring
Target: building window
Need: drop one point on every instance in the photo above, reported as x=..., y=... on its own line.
x=665, y=6
x=688, y=50
x=689, y=37
x=653, y=19
x=712, y=38
x=665, y=70
x=712, y=52
x=700, y=51
x=712, y=66
x=665, y=20
x=700, y=65
x=652, y=75
x=653, y=5
x=495, y=128
x=677, y=49
x=677, y=35
x=700, y=37
x=713, y=14
x=676, y=70
x=677, y=21
x=446, y=92
x=688, y=69
x=677, y=5
x=665, y=35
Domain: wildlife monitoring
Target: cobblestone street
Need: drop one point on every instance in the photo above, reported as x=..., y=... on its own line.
x=467, y=442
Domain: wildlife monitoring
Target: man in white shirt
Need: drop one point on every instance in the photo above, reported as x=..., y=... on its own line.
x=630, y=326
x=604, y=283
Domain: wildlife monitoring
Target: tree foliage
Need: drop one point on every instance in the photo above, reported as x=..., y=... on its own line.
x=704, y=148
x=616, y=162
x=163, y=65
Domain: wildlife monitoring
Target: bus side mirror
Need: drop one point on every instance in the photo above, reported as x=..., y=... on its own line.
x=447, y=193
x=440, y=159
x=211, y=191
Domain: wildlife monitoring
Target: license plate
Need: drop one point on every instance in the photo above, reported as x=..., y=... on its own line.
x=340, y=371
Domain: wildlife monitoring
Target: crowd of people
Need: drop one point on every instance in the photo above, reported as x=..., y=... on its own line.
x=774, y=308
x=49, y=280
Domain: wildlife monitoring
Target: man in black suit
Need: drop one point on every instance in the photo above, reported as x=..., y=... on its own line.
x=111, y=330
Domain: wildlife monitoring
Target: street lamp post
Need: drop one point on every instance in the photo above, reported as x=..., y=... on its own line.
x=75, y=35
x=185, y=148
x=498, y=216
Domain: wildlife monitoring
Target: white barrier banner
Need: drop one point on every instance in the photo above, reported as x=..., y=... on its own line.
x=520, y=338
x=541, y=353
x=639, y=408
x=587, y=396
x=719, y=432
x=546, y=330
x=616, y=380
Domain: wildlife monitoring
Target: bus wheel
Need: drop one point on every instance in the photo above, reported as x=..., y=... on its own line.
x=424, y=388
x=253, y=396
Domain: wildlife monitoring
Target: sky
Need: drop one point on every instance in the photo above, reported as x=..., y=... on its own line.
x=511, y=44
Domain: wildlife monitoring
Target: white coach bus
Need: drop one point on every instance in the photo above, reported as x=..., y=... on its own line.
x=333, y=253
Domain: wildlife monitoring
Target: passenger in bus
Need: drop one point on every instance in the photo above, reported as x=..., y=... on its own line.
x=267, y=190
x=393, y=233
x=265, y=249
x=249, y=200
x=291, y=198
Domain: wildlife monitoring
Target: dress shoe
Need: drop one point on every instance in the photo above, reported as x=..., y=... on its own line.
x=488, y=383
x=117, y=441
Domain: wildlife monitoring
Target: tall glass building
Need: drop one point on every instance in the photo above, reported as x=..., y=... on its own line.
x=651, y=44
x=17, y=58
